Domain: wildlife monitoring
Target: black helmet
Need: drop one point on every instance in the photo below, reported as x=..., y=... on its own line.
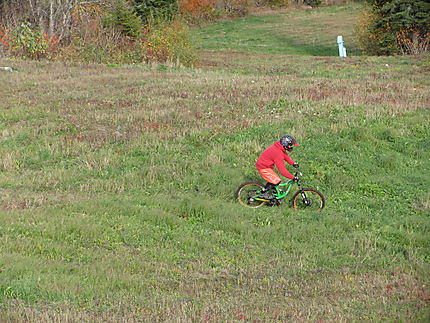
x=288, y=142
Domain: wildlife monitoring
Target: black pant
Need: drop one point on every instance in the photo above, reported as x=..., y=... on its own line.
x=270, y=187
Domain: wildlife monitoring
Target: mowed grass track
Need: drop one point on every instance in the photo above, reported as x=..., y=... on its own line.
x=292, y=32
x=117, y=191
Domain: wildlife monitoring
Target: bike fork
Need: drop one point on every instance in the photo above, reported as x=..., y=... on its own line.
x=303, y=194
x=305, y=199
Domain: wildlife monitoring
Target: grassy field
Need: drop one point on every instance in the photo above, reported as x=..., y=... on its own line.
x=116, y=188
x=293, y=32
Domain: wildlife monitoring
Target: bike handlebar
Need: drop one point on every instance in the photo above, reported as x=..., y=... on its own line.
x=298, y=174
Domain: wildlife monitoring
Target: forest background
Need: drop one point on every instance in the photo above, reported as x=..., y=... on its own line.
x=136, y=31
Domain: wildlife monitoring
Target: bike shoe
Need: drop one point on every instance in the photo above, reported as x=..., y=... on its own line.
x=266, y=195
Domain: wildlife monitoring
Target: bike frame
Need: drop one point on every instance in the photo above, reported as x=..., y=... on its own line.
x=256, y=192
x=280, y=194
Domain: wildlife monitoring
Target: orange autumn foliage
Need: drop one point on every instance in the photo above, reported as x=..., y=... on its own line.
x=194, y=7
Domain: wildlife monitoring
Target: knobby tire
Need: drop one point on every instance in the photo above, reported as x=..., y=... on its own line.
x=317, y=197
x=242, y=189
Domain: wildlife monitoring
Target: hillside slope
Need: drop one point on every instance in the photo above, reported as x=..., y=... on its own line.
x=116, y=190
x=288, y=32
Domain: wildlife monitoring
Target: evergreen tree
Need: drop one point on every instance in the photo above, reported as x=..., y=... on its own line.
x=155, y=9
x=411, y=18
x=122, y=17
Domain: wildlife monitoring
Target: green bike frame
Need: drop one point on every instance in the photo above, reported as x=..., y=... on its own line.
x=280, y=194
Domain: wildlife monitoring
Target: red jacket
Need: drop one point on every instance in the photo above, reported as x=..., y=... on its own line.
x=275, y=155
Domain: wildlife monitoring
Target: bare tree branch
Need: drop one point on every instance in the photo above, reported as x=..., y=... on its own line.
x=52, y=16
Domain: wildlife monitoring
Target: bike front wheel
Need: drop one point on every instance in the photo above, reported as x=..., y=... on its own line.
x=308, y=199
x=247, y=192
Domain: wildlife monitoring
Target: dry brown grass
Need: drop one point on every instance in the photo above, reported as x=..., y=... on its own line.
x=98, y=105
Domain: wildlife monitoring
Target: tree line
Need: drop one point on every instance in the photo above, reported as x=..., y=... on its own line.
x=143, y=30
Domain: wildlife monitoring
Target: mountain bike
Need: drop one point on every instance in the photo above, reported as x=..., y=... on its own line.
x=248, y=194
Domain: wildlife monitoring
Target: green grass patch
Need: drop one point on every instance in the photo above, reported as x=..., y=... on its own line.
x=308, y=33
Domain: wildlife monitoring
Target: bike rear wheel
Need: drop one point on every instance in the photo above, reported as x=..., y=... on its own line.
x=246, y=193
x=308, y=199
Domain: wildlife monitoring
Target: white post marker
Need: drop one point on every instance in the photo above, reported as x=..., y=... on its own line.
x=342, y=49
x=6, y=68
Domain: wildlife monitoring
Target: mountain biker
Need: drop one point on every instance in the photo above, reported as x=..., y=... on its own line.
x=275, y=155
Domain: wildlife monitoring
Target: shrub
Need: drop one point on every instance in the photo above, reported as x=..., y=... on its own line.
x=196, y=11
x=29, y=43
x=170, y=41
x=87, y=21
x=162, y=41
x=5, y=42
x=118, y=37
x=412, y=41
x=195, y=6
x=104, y=35
x=24, y=41
x=368, y=41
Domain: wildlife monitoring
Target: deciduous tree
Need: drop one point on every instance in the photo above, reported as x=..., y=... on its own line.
x=53, y=17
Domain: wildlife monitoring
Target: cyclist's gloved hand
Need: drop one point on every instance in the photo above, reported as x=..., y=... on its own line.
x=296, y=165
x=296, y=178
